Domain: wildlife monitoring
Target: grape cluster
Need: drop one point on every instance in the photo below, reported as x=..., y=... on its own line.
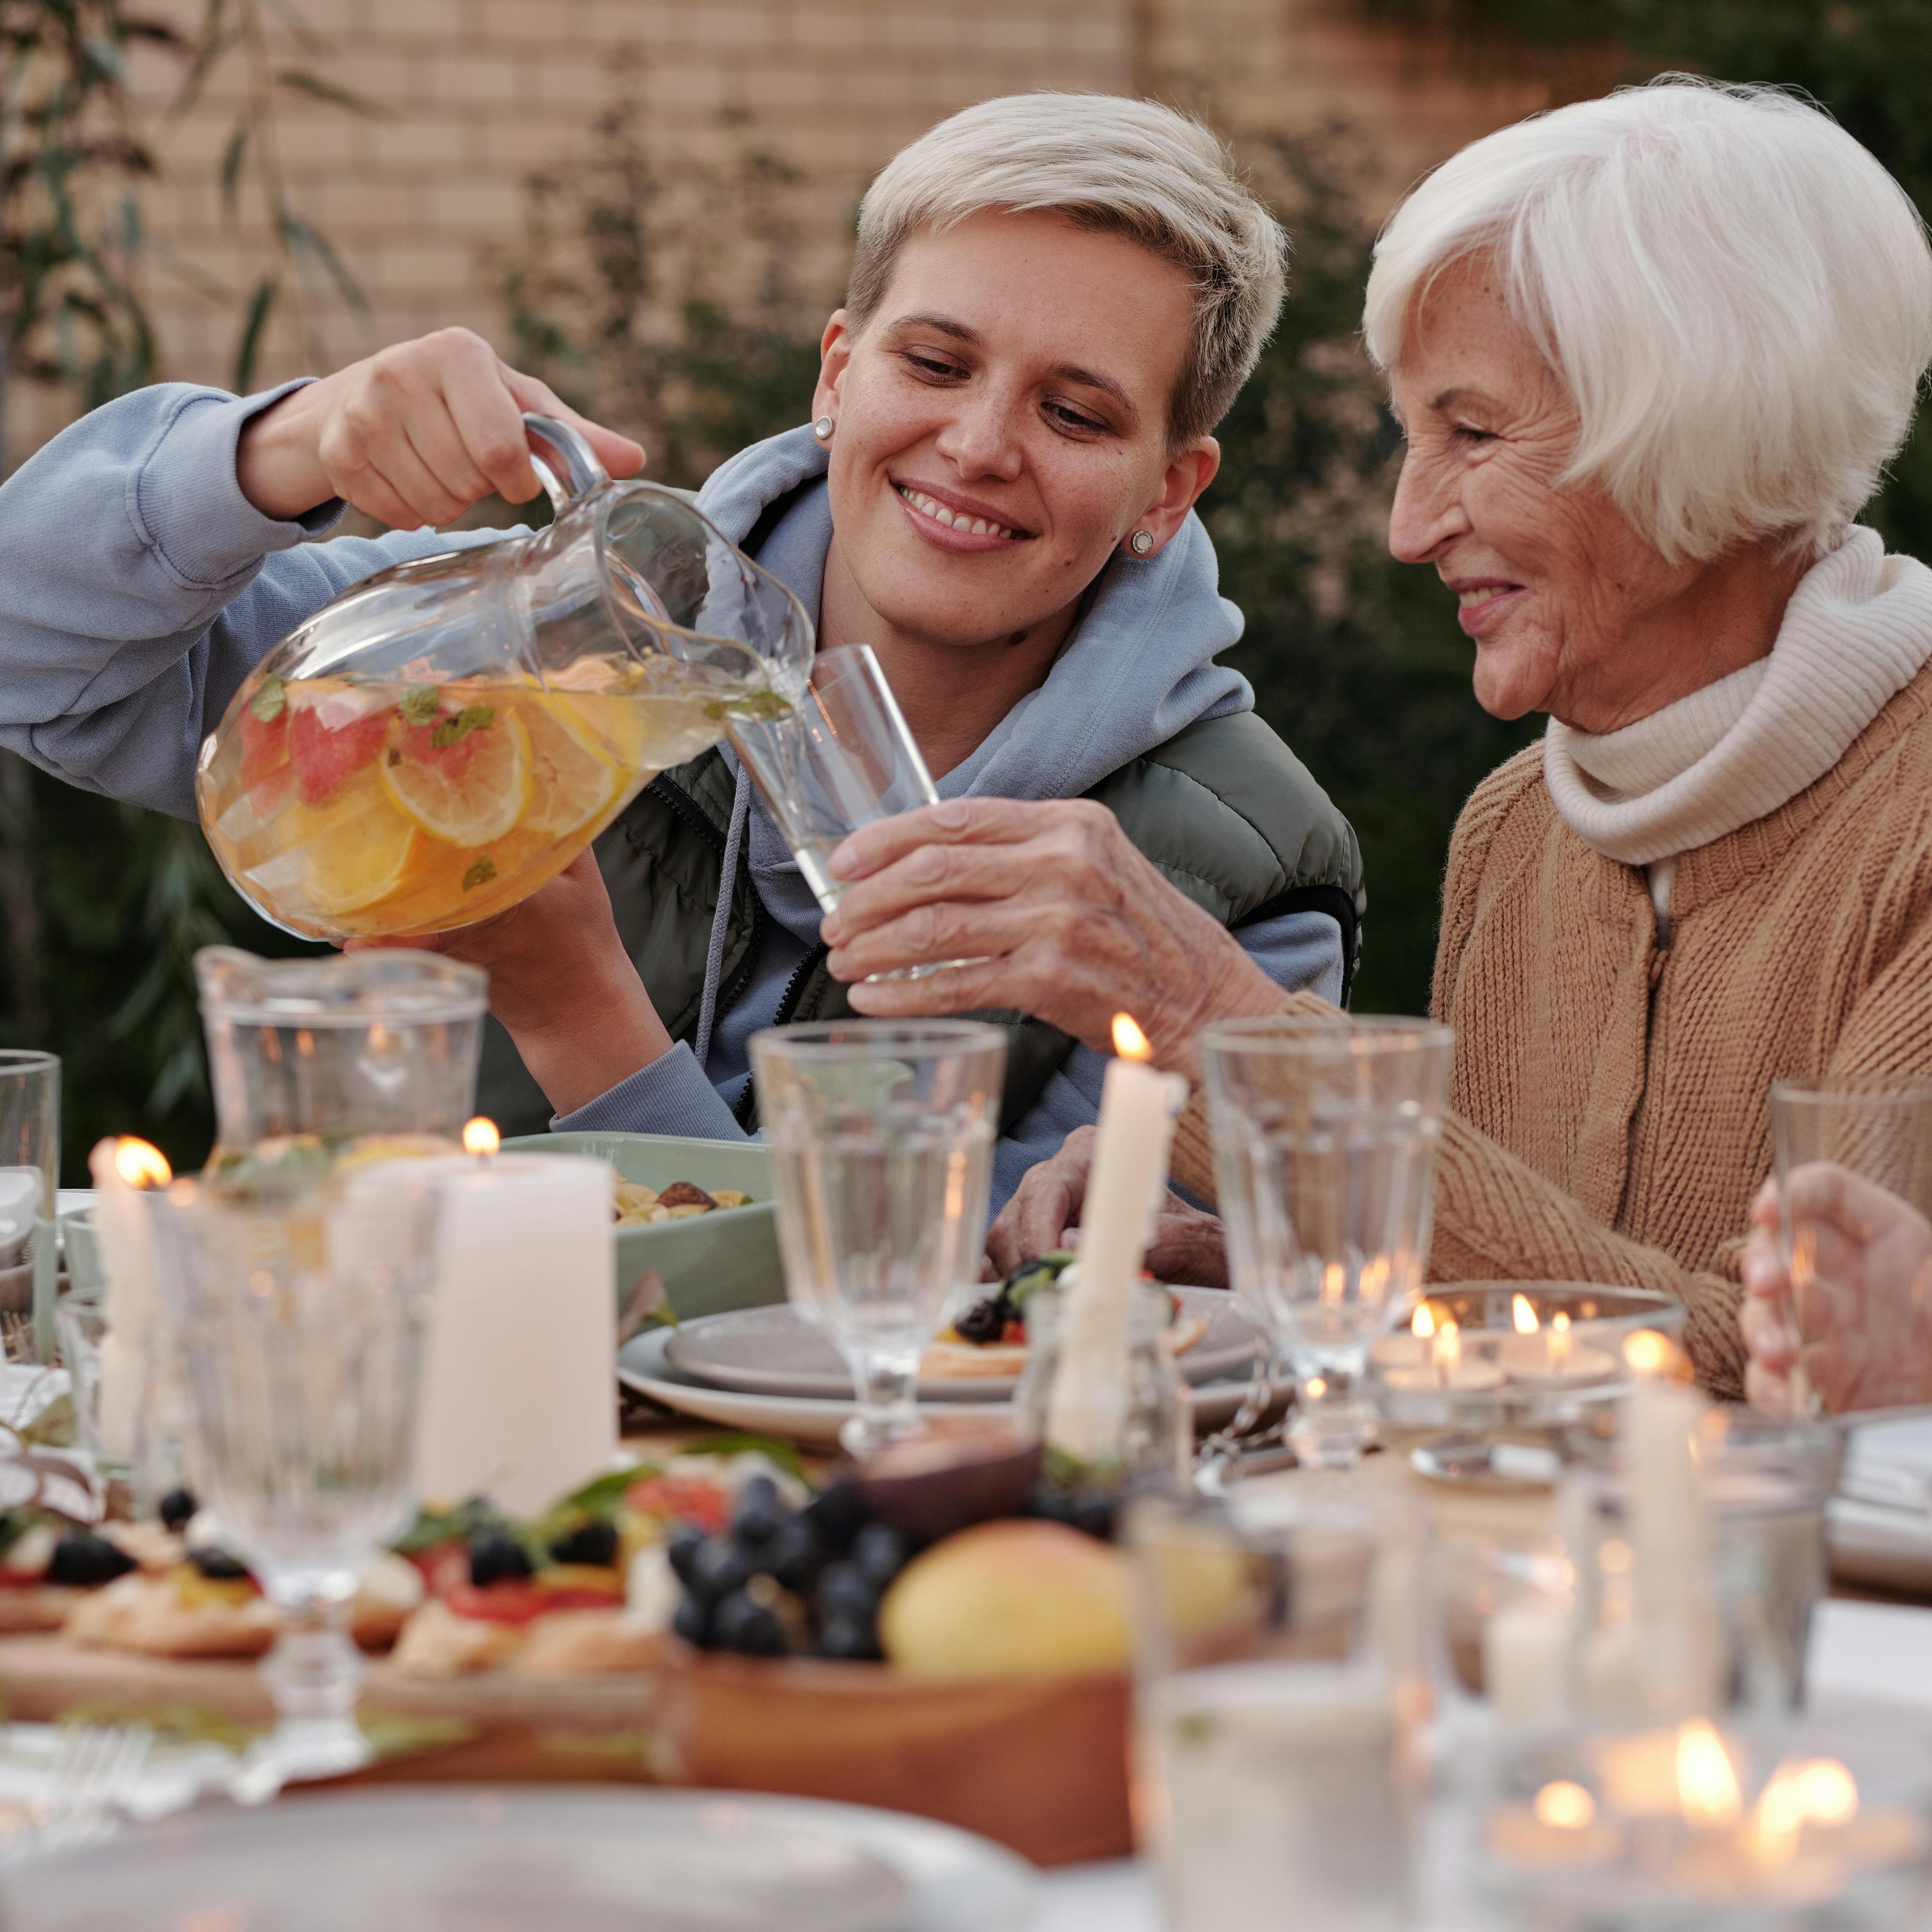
x=781, y=1582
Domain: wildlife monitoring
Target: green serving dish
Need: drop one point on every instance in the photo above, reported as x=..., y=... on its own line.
x=728, y=1258
x=80, y=1248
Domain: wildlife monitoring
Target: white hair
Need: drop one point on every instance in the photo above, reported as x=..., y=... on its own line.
x=1127, y=167
x=1737, y=294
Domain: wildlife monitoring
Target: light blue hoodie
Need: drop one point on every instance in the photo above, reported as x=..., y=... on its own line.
x=139, y=587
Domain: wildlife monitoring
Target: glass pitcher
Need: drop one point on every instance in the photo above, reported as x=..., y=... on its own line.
x=311, y=1059
x=445, y=737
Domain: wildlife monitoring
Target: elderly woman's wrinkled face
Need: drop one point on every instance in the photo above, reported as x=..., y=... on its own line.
x=1002, y=422
x=1557, y=588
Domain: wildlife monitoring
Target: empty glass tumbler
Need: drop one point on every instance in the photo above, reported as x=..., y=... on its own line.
x=29, y=1172
x=1324, y=1132
x=301, y=1315
x=881, y=1134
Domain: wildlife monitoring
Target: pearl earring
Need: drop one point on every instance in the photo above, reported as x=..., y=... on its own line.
x=1141, y=542
x=822, y=429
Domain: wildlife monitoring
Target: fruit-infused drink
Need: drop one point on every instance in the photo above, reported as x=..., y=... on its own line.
x=345, y=807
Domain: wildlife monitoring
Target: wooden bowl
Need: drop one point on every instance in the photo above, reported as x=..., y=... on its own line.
x=1038, y=1764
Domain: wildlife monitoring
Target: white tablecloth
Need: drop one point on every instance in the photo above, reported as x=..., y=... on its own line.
x=1861, y=1650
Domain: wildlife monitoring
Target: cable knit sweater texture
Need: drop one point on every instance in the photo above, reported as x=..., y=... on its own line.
x=1610, y=1116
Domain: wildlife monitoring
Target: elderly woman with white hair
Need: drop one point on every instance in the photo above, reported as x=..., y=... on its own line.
x=1651, y=353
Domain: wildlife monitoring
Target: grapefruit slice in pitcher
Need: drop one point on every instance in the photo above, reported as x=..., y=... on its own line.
x=465, y=777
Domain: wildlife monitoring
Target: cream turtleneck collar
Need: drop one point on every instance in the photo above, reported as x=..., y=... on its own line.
x=1857, y=631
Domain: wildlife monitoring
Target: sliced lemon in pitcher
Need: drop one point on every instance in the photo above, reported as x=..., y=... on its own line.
x=576, y=776
x=464, y=778
x=355, y=852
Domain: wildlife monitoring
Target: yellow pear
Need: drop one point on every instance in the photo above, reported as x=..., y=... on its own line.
x=1012, y=1599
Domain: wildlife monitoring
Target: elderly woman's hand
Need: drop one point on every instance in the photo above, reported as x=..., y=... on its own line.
x=1187, y=1245
x=1063, y=917
x=1864, y=1328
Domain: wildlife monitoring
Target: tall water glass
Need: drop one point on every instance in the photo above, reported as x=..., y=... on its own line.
x=1273, y=1684
x=881, y=1134
x=29, y=1172
x=301, y=1318
x=1324, y=1133
x=1878, y=1132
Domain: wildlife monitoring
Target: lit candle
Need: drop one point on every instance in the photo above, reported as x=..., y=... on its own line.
x=480, y=1139
x=131, y=1353
x=1087, y=1406
x=1409, y=1351
x=1542, y=1356
x=520, y=1361
x=1449, y=1369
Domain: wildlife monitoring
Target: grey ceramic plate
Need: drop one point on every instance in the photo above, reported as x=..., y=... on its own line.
x=726, y=1259
x=770, y=1351
x=525, y=1860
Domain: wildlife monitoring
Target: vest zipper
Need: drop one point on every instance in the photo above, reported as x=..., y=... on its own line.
x=746, y=1111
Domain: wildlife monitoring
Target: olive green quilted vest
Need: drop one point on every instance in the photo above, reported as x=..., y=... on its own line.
x=1225, y=811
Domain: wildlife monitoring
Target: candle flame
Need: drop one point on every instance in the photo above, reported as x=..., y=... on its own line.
x=1446, y=1350
x=1817, y=1791
x=141, y=1165
x=480, y=1136
x=1568, y=1807
x=1129, y=1043
x=1559, y=1340
x=1422, y=1324
x=1648, y=1352
x=1523, y=1314
x=1317, y=1388
x=1707, y=1786
x=1334, y=1285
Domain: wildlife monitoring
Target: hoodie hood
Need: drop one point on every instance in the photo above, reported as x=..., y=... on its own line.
x=1138, y=669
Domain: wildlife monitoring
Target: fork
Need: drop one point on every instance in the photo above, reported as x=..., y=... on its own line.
x=97, y=1769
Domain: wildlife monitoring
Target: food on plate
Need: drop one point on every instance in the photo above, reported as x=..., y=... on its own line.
x=207, y=1606
x=47, y=1566
x=990, y=1338
x=1014, y=1599
x=636, y=1203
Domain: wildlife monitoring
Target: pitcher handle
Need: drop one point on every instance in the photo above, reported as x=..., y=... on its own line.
x=563, y=461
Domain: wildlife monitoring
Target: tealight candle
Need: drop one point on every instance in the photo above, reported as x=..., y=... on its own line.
x=1552, y=1356
x=1409, y=1351
x=1449, y=1369
x=123, y=1171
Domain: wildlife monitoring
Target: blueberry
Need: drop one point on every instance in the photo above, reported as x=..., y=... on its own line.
x=752, y=1629
x=593, y=1543
x=218, y=1565
x=495, y=1558
x=845, y=1591
x=83, y=1559
x=837, y=1514
x=177, y=1507
x=759, y=1512
x=717, y=1569
x=691, y=1621
x=879, y=1553
x=850, y=1638
x=792, y=1553
x=681, y=1548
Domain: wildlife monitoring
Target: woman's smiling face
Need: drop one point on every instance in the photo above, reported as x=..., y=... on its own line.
x=1002, y=423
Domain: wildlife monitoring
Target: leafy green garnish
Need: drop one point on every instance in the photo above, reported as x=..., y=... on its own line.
x=453, y=731
x=1030, y=1277
x=765, y=705
x=418, y=704
x=270, y=700
x=781, y=1452
x=480, y=873
x=433, y=1527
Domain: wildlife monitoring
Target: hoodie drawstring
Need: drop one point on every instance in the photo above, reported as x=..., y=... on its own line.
x=714, y=959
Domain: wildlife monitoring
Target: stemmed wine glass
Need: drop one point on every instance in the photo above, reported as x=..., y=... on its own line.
x=881, y=1134
x=301, y=1315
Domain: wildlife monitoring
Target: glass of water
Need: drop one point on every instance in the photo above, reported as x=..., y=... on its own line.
x=302, y=1320
x=1324, y=1133
x=881, y=1134
x=29, y=1171
x=1273, y=1768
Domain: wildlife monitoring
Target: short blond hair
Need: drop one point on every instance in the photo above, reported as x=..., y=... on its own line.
x=1737, y=294
x=1124, y=167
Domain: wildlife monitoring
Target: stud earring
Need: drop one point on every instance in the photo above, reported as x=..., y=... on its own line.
x=1141, y=542
x=822, y=429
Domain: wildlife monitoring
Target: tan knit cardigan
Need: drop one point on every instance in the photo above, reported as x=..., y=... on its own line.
x=1611, y=1120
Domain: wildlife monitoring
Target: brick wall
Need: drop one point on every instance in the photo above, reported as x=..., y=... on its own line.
x=479, y=94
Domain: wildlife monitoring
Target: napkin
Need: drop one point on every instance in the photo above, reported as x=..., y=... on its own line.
x=1878, y=1526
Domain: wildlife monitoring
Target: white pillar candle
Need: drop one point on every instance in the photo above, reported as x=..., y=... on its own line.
x=1526, y=1660
x=130, y=1347
x=519, y=1389
x=1087, y=1406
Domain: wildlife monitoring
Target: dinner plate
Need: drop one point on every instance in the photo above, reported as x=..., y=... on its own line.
x=644, y=1367
x=529, y=1859
x=771, y=1352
